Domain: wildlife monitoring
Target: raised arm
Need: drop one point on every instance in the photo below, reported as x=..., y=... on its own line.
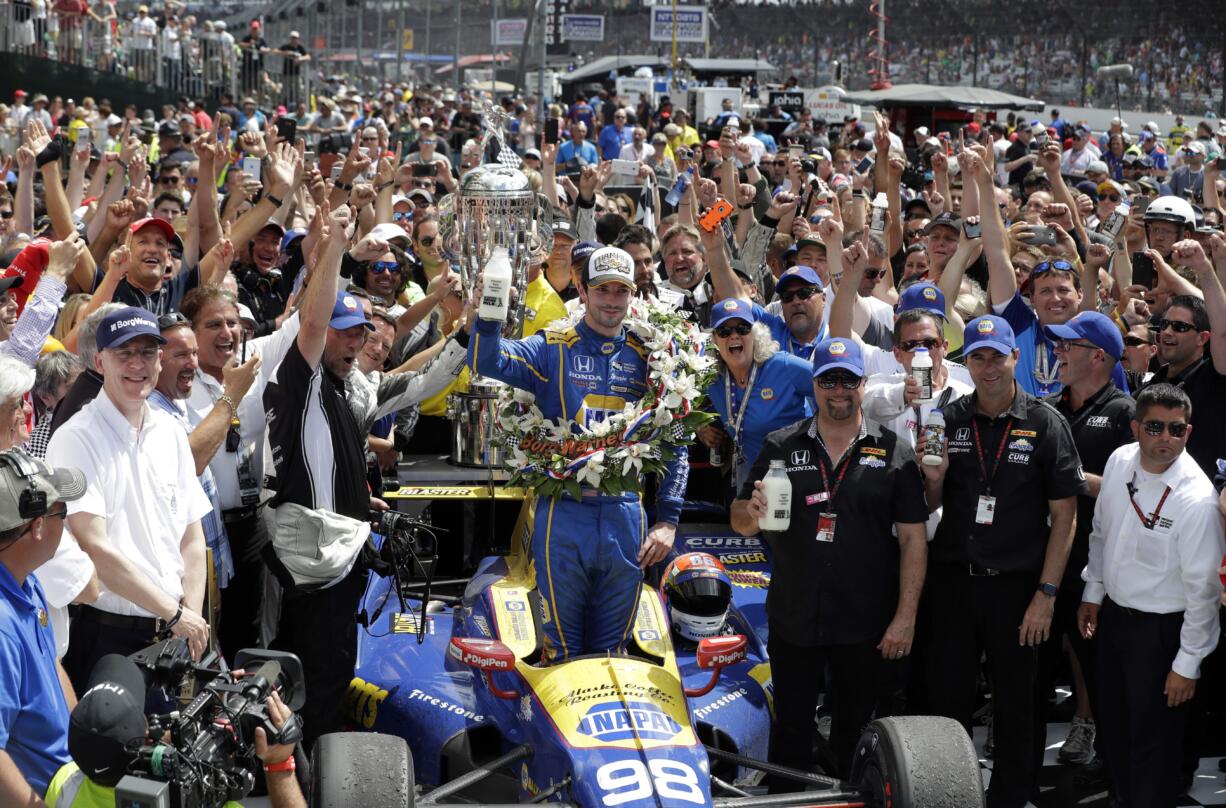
x=1191, y=254
x=316, y=311
x=1002, y=283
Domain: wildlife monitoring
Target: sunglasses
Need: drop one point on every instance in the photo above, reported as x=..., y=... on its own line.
x=6, y=214
x=804, y=294
x=910, y=345
x=829, y=381
x=233, y=437
x=1064, y=346
x=779, y=162
x=402, y=216
x=873, y=274
x=725, y=331
x=1136, y=342
x=1155, y=428
x=1047, y=266
x=62, y=513
x=1178, y=326
x=379, y=267
x=168, y=180
x=1109, y=198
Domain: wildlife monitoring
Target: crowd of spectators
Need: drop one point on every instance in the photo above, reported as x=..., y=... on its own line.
x=231, y=334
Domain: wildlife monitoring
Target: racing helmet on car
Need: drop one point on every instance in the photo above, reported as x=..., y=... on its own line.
x=698, y=592
x=1171, y=209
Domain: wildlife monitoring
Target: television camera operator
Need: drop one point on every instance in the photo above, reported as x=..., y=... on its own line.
x=112, y=743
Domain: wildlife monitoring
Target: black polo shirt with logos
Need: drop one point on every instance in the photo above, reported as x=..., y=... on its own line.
x=846, y=590
x=1102, y=425
x=1038, y=462
x=1207, y=390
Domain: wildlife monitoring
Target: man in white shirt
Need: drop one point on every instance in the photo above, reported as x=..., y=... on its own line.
x=1077, y=159
x=139, y=520
x=1151, y=597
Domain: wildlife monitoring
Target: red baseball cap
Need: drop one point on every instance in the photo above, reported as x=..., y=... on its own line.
x=164, y=226
x=19, y=94
x=711, y=144
x=972, y=128
x=29, y=265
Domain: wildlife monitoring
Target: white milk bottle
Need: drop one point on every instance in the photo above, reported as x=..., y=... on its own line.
x=778, y=490
x=496, y=286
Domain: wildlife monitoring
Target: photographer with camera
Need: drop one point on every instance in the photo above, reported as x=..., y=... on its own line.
x=33, y=691
x=108, y=732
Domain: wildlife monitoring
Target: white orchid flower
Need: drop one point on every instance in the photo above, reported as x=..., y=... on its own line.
x=524, y=396
x=592, y=473
x=680, y=389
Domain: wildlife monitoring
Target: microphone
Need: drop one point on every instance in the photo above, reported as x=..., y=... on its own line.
x=1121, y=72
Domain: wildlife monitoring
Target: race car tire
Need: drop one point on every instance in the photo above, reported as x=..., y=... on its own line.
x=361, y=768
x=918, y=762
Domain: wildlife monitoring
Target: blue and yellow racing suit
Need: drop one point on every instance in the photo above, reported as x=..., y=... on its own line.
x=585, y=551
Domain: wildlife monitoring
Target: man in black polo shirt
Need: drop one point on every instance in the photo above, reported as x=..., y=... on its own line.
x=1100, y=415
x=845, y=589
x=996, y=559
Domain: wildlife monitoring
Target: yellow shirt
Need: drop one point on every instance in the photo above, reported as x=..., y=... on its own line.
x=542, y=305
x=436, y=404
x=82, y=792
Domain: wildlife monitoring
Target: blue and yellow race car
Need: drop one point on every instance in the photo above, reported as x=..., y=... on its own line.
x=450, y=704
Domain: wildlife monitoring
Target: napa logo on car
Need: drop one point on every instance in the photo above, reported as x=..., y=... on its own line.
x=618, y=721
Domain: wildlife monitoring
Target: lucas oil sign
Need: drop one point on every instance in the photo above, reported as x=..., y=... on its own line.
x=615, y=721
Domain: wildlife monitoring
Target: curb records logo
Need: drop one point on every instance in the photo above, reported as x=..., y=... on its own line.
x=614, y=721
x=583, y=364
x=800, y=457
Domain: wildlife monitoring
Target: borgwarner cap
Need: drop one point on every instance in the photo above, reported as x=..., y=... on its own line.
x=610, y=265
x=19, y=473
x=126, y=324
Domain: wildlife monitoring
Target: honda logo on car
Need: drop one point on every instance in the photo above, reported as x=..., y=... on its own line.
x=615, y=721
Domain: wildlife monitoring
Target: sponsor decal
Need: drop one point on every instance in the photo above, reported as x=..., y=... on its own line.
x=648, y=635
x=750, y=579
x=1021, y=445
x=872, y=462
x=871, y=450
x=722, y=541
x=1021, y=458
x=1023, y=433
x=929, y=293
x=478, y=660
x=615, y=721
x=986, y=327
x=767, y=393
x=800, y=457
x=362, y=702
x=444, y=705
x=1098, y=422
x=583, y=364
x=742, y=558
x=963, y=434
x=722, y=701
x=482, y=625
x=406, y=623
x=820, y=496
x=515, y=605
x=607, y=690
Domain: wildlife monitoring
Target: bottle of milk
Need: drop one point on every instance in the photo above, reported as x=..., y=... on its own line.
x=880, y=207
x=934, y=437
x=496, y=286
x=778, y=490
x=921, y=371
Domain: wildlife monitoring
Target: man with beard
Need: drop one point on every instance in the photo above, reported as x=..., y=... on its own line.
x=686, y=287
x=589, y=553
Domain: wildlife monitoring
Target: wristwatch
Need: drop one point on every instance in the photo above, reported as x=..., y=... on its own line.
x=1051, y=590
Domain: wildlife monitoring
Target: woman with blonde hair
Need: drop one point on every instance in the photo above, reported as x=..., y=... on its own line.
x=70, y=315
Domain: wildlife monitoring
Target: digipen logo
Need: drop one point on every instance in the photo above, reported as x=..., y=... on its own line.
x=800, y=457
x=584, y=364
x=726, y=659
x=614, y=721
x=479, y=661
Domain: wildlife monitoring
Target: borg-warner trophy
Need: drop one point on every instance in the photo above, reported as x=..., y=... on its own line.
x=494, y=215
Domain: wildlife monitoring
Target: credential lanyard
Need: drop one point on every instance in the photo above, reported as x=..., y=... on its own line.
x=983, y=471
x=738, y=423
x=838, y=480
x=1149, y=523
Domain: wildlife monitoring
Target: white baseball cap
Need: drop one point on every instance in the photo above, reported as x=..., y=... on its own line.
x=610, y=265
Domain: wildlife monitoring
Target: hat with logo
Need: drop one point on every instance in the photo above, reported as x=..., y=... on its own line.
x=421, y=193
x=944, y=219
x=29, y=487
x=564, y=227
x=924, y=296
x=800, y=273
x=109, y=717
x=29, y=265
x=810, y=240
x=732, y=309
x=988, y=331
x=348, y=312
x=161, y=224
x=610, y=265
x=837, y=353
x=1094, y=328
x=122, y=326
x=582, y=251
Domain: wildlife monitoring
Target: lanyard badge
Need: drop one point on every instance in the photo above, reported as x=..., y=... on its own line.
x=985, y=510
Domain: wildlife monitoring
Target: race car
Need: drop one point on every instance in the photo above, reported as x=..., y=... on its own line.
x=451, y=696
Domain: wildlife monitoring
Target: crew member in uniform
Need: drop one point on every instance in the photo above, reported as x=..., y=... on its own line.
x=845, y=589
x=1008, y=484
x=1151, y=597
x=1088, y=347
x=588, y=553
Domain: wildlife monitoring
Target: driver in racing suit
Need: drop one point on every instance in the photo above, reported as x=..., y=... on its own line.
x=589, y=553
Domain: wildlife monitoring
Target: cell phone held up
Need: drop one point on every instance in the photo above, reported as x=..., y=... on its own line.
x=972, y=229
x=710, y=220
x=425, y=169
x=553, y=126
x=1039, y=236
x=1143, y=272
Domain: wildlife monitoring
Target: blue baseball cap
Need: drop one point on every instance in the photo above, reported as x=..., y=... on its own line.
x=835, y=353
x=583, y=250
x=802, y=273
x=988, y=331
x=348, y=312
x=1093, y=327
x=127, y=324
x=924, y=296
x=732, y=309
x=291, y=236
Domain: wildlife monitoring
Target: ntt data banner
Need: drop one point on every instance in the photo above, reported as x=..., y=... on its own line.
x=691, y=24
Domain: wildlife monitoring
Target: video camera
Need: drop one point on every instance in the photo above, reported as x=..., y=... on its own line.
x=210, y=757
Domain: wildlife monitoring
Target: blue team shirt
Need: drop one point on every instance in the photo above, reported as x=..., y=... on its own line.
x=571, y=157
x=1036, y=363
x=782, y=394
x=33, y=712
x=611, y=141
x=780, y=333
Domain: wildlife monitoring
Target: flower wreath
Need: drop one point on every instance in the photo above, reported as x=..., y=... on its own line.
x=614, y=455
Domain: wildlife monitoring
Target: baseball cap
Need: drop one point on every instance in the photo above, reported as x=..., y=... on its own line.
x=801, y=273
x=22, y=473
x=29, y=265
x=1145, y=134
x=972, y=128
x=122, y=326
x=114, y=120
x=988, y=331
x=1094, y=328
x=167, y=229
x=564, y=227
x=837, y=353
x=610, y=265
x=731, y=309
x=943, y=219
x=273, y=225
x=19, y=94
x=109, y=717
x=246, y=314
x=9, y=281
x=862, y=145
x=810, y=240
x=294, y=35
x=711, y=144
x=924, y=296
x=1037, y=128
x=1196, y=147
x=917, y=202
x=292, y=236
x=422, y=193
x=1096, y=167
x=348, y=312
x=425, y=120
x=921, y=131
x=387, y=231
x=582, y=251
x=535, y=153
